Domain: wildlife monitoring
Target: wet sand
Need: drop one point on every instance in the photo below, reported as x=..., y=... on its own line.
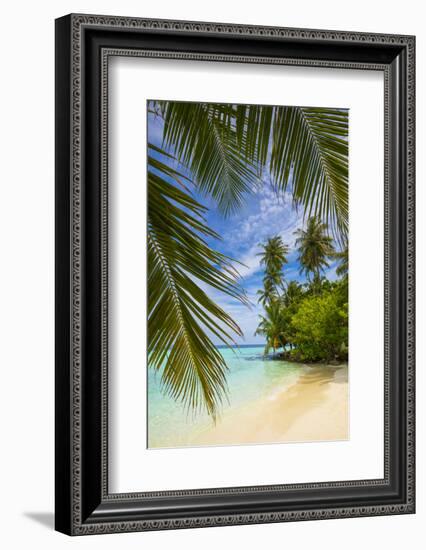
x=315, y=408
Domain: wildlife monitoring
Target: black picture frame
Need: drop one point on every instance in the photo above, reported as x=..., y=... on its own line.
x=83, y=504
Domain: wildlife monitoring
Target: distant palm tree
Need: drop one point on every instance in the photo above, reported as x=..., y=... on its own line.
x=315, y=246
x=269, y=292
x=343, y=258
x=222, y=150
x=274, y=254
x=273, y=257
x=272, y=327
x=293, y=293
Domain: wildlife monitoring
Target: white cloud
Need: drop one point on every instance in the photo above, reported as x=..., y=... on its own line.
x=275, y=216
x=251, y=262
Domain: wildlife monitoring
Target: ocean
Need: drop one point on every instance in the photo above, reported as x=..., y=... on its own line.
x=251, y=379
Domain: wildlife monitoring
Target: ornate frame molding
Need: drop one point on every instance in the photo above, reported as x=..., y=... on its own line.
x=72, y=47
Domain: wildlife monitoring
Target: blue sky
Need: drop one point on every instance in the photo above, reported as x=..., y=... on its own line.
x=264, y=214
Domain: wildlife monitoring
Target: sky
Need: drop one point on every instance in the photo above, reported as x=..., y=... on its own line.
x=265, y=214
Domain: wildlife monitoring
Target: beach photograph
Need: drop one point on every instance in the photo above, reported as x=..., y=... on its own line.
x=248, y=274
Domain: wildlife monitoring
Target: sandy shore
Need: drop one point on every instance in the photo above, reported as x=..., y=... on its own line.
x=315, y=408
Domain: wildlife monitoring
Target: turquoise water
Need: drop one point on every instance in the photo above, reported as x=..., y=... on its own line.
x=250, y=378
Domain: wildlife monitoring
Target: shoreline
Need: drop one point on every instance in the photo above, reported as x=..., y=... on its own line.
x=312, y=408
x=288, y=359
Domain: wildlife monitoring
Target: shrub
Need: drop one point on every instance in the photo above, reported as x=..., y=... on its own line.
x=320, y=326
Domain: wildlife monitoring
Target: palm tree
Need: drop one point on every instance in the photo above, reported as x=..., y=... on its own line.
x=269, y=292
x=224, y=149
x=273, y=257
x=314, y=246
x=293, y=293
x=272, y=327
x=343, y=258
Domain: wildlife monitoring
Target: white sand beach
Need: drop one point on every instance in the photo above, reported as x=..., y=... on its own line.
x=314, y=408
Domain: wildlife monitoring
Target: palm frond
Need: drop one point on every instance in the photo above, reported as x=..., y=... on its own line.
x=310, y=150
x=180, y=312
x=227, y=147
x=308, y=155
x=205, y=138
x=343, y=259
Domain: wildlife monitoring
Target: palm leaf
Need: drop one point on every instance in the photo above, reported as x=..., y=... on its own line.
x=205, y=138
x=180, y=314
x=307, y=151
x=228, y=146
x=315, y=153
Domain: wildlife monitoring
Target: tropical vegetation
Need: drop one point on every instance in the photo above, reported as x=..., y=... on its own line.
x=308, y=322
x=222, y=152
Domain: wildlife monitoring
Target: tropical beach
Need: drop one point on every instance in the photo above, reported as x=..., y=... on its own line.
x=248, y=274
x=270, y=402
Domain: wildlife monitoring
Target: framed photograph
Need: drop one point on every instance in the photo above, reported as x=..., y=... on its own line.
x=234, y=274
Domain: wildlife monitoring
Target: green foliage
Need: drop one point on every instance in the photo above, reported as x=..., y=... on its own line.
x=268, y=293
x=343, y=258
x=226, y=148
x=179, y=311
x=320, y=327
x=273, y=326
x=309, y=322
x=314, y=246
x=203, y=137
x=273, y=257
x=293, y=294
x=309, y=149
